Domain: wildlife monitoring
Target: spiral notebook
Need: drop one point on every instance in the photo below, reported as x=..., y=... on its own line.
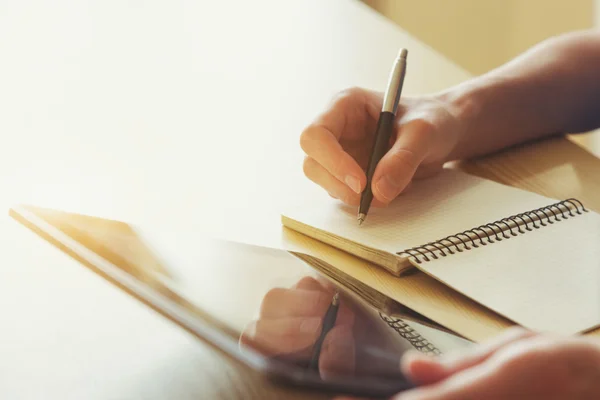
x=526, y=257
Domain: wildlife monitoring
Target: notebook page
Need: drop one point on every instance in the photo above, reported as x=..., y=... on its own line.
x=546, y=280
x=434, y=208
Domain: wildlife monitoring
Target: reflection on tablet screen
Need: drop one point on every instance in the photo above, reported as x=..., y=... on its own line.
x=267, y=306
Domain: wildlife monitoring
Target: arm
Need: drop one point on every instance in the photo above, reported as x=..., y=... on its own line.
x=552, y=88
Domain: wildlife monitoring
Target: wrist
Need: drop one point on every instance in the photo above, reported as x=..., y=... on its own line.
x=465, y=103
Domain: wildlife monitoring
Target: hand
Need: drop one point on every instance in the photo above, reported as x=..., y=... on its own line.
x=338, y=144
x=516, y=365
x=290, y=321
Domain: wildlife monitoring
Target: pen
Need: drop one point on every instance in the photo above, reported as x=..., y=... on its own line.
x=385, y=127
x=328, y=323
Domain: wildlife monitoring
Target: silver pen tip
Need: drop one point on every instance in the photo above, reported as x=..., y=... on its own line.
x=361, y=218
x=403, y=53
x=336, y=299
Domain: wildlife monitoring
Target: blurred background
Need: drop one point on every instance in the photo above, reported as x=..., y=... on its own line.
x=480, y=35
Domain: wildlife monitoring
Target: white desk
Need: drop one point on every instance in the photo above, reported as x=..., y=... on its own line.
x=170, y=112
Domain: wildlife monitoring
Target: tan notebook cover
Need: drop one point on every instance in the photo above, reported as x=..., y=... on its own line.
x=530, y=259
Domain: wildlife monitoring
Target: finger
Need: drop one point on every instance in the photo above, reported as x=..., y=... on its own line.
x=522, y=369
x=335, y=187
x=279, y=302
x=398, y=165
x=407, y=188
x=347, y=116
x=534, y=367
x=338, y=353
x=319, y=175
x=326, y=284
x=481, y=382
x=320, y=144
x=421, y=368
x=350, y=111
x=424, y=369
x=282, y=336
x=308, y=283
x=477, y=354
x=345, y=315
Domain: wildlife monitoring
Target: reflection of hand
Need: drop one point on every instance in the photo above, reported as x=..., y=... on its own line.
x=515, y=365
x=290, y=322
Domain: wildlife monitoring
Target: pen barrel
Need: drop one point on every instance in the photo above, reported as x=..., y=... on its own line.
x=385, y=127
x=328, y=324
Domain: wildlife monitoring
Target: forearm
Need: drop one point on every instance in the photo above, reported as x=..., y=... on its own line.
x=552, y=88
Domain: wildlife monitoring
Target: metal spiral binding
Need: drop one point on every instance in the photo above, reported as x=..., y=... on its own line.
x=495, y=231
x=413, y=337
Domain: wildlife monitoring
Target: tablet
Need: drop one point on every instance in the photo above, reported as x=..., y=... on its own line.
x=261, y=306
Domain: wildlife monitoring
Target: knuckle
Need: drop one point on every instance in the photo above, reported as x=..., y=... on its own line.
x=348, y=95
x=272, y=297
x=423, y=123
x=404, y=159
x=351, y=92
x=426, y=128
x=423, y=127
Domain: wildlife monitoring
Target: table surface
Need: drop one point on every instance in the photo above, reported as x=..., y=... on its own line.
x=175, y=112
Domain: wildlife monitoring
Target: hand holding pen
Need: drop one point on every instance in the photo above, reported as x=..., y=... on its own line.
x=300, y=325
x=339, y=143
x=317, y=327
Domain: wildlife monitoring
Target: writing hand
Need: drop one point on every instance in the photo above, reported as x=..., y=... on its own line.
x=338, y=145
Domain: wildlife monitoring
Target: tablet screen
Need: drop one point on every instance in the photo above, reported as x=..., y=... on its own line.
x=261, y=305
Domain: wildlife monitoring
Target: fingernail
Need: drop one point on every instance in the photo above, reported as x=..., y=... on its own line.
x=388, y=187
x=310, y=325
x=353, y=183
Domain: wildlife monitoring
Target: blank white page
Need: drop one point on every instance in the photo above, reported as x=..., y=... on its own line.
x=546, y=280
x=434, y=208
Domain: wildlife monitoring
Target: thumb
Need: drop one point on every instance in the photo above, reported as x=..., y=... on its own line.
x=427, y=370
x=338, y=356
x=397, y=167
